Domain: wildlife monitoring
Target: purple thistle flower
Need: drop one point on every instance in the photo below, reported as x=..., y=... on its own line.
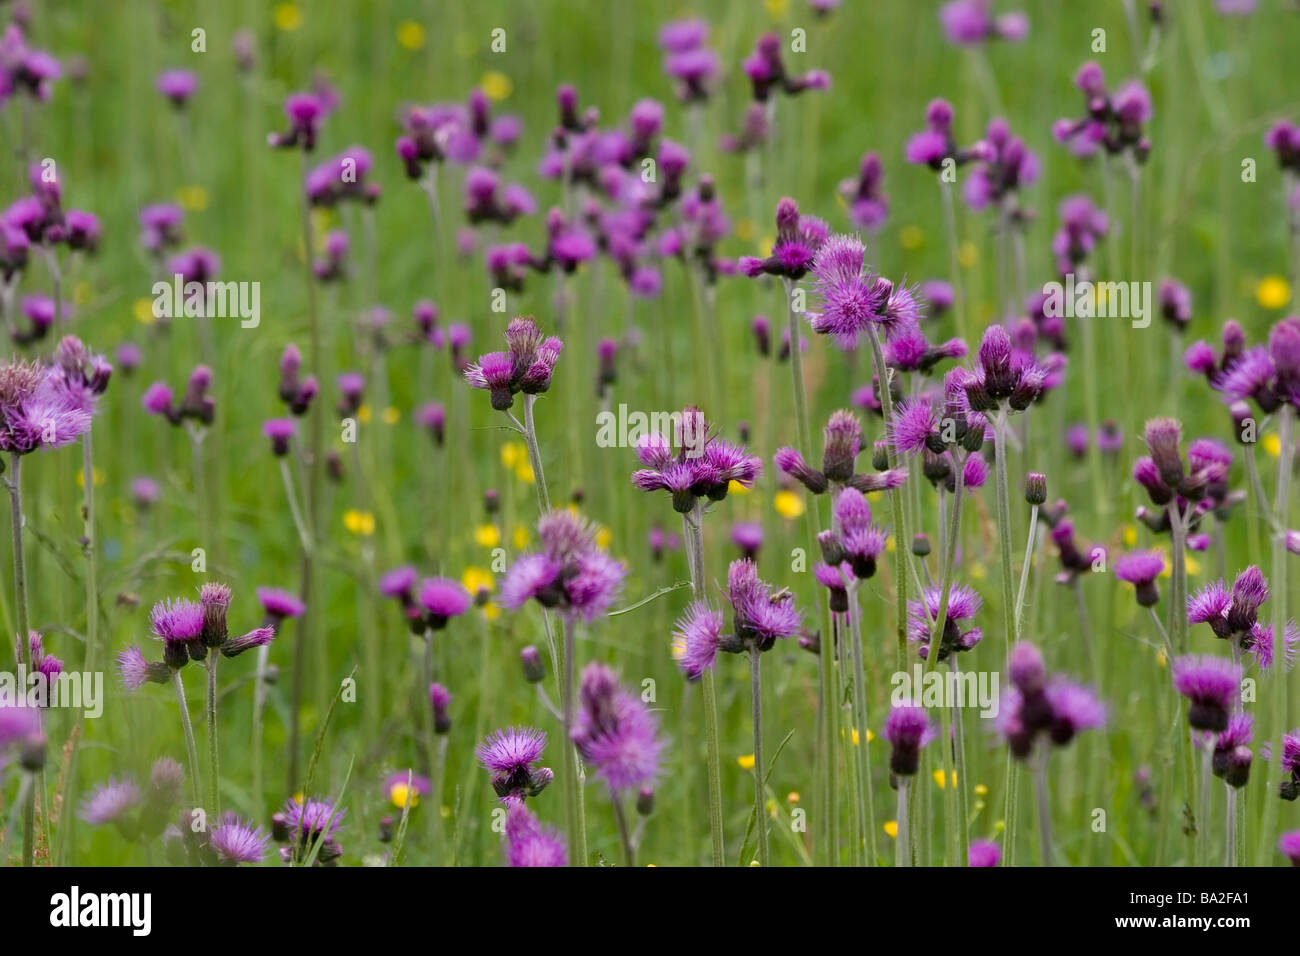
x=915, y=426
x=40, y=408
x=311, y=821
x=1212, y=685
x=110, y=802
x=510, y=754
x=440, y=702
x=134, y=670
x=443, y=599
x=696, y=639
x=1074, y=708
x=614, y=731
x=526, y=367
x=178, y=86
x=963, y=604
x=531, y=576
x=177, y=620
x=760, y=617
x=236, y=841
x=305, y=112
x=166, y=779
x=280, y=604
x=975, y=472
x=258, y=637
x=748, y=537
x=529, y=843
x=398, y=582
x=907, y=728
x=1232, y=757
x=280, y=431
x=179, y=625
x=1289, y=845
x=983, y=853
x=1141, y=568
x=1263, y=646
x=1249, y=592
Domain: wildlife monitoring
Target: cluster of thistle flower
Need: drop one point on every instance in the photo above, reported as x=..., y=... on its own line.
x=439, y=599
x=462, y=134
x=1268, y=375
x=1037, y=704
x=41, y=661
x=1074, y=560
x=963, y=604
x=196, y=404
x=343, y=178
x=971, y=22
x=1196, y=489
x=298, y=393
x=570, y=574
x=189, y=631
x=760, y=616
x=1233, y=615
x=850, y=549
x=39, y=221
x=703, y=467
x=145, y=816
x=1113, y=122
x=50, y=405
x=842, y=441
x=306, y=828
x=526, y=366
x=613, y=731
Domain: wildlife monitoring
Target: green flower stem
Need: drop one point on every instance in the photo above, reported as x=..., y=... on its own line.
x=693, y=532
x=866, y=807
x=826, y=658
x=760, y=801
x=191, y=751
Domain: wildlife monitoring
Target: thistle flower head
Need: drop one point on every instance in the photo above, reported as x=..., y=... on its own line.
x=1211, y=684
x=280, y=604
x=443, y=599
x=509, y=755
x=235, y=840
x=983, y=853
x=110, y=802
x=529, y=843
x=908, y=728
x=614, y=731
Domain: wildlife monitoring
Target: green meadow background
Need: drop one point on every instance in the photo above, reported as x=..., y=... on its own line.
x=1217, y=84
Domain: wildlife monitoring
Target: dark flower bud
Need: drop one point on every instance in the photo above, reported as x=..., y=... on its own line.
x=645, y=801
x=280, y=831
x=832, y=547
x=921, y=545
x=880, y=456
x=972, y=439
x=936, y=467
x=1035, y=488
x=534, y=669
x=32, y=752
